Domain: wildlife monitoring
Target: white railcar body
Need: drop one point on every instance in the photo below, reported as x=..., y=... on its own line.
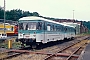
x=43, y=30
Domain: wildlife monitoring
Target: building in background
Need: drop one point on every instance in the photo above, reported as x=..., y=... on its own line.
x=80, y=28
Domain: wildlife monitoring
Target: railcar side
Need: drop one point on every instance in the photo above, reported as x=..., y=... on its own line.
x=36, y=30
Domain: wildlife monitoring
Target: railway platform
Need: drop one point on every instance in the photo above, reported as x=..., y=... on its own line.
x=86, y=54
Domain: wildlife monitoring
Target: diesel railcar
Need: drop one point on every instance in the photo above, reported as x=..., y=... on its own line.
x=36, y=30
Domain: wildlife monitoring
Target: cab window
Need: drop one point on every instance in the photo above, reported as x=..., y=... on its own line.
x=31, y=26
x=39, y=26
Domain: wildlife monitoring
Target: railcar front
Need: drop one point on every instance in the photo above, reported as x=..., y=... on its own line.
x=31, y=32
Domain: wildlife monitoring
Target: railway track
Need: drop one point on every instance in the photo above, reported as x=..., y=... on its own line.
x=67, y=50
x=71, y=50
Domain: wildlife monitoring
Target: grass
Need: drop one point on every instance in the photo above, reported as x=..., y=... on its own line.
x=87, y=33
x=15, y=45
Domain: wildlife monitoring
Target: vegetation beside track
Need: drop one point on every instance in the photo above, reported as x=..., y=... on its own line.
x=4, y=44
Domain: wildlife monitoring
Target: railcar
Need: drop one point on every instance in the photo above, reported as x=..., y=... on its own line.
x=36, y=30
x=10, y=30
x=75, y=25
x=69, y=31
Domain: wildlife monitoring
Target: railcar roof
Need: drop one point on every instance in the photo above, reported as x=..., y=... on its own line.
x=71, y=23
x=37, y=18
x=65, y=24
x=40, y=18
x=32, y=18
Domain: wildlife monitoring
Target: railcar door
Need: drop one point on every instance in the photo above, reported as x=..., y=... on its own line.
x=45, y=33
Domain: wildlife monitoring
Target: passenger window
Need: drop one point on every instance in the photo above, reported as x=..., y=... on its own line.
x=56, y=28
x=53, y=27
x=48, y=28
x=65, y=29
x=39, y=26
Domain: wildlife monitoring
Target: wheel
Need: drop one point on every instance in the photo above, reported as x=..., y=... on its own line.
x=34, y=46
x=22, y=46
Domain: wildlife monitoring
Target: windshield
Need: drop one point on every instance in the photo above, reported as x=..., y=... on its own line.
x=39, y=26
x=32, y=26
x=27, y=26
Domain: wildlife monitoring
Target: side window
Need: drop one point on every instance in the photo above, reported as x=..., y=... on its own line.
x=60, y=27
x=53, y=27
x=48, y=27
x=65, y=29
x=68, y=29
x=39, y=26
x=56, y=28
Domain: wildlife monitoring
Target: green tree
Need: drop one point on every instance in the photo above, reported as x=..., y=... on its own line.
x=35, y=14
x=1, y=13
x=87, y=24
x=16, y=14
x=26, y=13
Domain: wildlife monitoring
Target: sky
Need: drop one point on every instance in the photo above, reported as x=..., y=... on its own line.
x=53, y=8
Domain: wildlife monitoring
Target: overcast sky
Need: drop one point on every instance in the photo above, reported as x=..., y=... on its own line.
x=53, y=8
